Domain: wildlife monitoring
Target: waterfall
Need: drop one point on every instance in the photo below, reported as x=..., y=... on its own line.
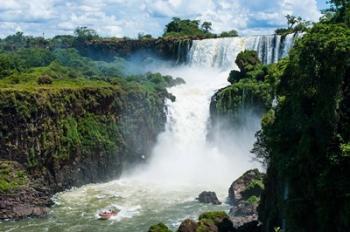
x=182, y=153
x=222, y=52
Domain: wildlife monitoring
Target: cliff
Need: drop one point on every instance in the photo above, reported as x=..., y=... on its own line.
x=107, y=49
x=55, y=138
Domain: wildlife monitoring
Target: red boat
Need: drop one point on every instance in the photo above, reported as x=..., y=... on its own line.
x=107, y=214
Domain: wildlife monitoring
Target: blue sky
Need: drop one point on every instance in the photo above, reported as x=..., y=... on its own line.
x=129, y=17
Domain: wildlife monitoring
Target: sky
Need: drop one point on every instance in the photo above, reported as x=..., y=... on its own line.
x=129, y=17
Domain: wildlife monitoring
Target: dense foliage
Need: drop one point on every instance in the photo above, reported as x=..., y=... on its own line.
x=61, y=111
x=305, y=139
x=252, y=88
x=186, y=28
x=295, y=24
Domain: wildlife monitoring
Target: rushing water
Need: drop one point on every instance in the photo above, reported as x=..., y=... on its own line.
x=183, y=162
x=221, y=53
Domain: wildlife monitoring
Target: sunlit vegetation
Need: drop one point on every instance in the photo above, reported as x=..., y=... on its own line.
x=295, y=24
x=305, y=138
x=185, y=28
x=253, y=87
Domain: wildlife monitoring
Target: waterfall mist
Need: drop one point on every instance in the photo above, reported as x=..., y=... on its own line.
x=183, y=156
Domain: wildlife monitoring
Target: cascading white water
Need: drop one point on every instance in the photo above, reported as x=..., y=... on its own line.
x=182, y=155
x=183, y=163
x=222, y=52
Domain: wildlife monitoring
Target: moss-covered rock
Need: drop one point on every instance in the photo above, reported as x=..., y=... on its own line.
x=159, y=228
x=13, y=176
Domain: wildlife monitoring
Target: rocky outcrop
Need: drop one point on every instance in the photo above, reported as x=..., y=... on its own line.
x=24, y=202
x=208, y=198
x=244, y=195
x=159, y=228
x=188, y=225
x=17, y=198
x=64, y=137
x=211, y=222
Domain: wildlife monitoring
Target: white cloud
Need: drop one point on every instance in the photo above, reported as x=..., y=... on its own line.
x=128, y=17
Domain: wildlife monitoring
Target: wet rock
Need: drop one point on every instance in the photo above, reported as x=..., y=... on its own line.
x=17, y=198
x=159, y=228
x=215, y=221
x=249, y=184
x=208, y=197
x=188, y=226
x=244, y=195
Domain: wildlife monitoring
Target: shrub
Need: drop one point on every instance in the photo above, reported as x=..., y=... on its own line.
x=45, y=80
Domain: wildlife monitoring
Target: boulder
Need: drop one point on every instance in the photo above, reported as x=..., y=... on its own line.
x=188, y=226
x=159, y=228
x=215, y=222
x=244, y=195
x=208, y=197
x=249, y=184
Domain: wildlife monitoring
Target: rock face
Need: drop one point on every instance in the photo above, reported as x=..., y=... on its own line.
x=25, y=202
x=175, y=50
x=17, y=198
x=70, y=137
x=244, y=195
x=208, y=197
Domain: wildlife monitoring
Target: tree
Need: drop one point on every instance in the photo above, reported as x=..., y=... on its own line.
x=339, y=3
x=232, y=33
x=295, y=24
x=186, y=28
x=85, y=33
x=142, y=36
x=206, y=26
x=291, y=20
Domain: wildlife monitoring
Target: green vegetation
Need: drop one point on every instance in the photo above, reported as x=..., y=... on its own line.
x=305, y=138
x=185, y=28
x=12, y=176
x=295, y=24
x=232, y=33
x=253, y=200
x=253, y=87
x=61, y=111
x=214, y=215
x=159, y=228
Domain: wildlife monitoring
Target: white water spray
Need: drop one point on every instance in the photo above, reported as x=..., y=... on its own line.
x=182, y=155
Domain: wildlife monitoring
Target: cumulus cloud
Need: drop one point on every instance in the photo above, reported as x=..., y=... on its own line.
x=129, y=17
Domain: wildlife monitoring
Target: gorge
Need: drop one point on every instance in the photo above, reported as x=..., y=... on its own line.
x=181, y=165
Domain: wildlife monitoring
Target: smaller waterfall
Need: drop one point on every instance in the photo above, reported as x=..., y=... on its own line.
x=222, y=52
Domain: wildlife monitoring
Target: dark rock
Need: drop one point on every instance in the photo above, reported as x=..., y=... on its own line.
x=215, y=221
x=36, y=141
x=22, y=203
x=240, y=188
x=253, y=226
x=188, y=226
x=208, y=197
x=244, y=195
